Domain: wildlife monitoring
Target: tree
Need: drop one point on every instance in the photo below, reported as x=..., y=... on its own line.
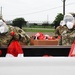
x=19, y=22
x=57, y=20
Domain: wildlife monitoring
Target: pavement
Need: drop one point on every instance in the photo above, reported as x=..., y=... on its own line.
x=32, y=33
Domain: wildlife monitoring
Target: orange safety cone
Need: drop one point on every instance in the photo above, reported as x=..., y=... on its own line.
x=46, y=55
x=14, y=50
x=72, y=50
x=0, y=52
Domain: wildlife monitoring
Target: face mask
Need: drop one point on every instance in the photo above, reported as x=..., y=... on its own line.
x=68, y=18
x=1, y=22
x=62, y=23
x=69, y=25
x=3, y=28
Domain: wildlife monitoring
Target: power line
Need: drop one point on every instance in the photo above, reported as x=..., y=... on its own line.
x=41, y=11
x=46, y=9
x=49, y=9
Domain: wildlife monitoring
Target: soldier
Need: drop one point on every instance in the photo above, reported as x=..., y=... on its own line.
x=59, y=30
x=69, y=36
x=7, y=32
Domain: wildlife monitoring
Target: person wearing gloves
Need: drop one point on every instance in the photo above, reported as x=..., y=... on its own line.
x=13, y=38
x=59, y=30
x=7, y=32
x=68, y=36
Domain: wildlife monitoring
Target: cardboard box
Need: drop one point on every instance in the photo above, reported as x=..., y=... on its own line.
x=44, y=42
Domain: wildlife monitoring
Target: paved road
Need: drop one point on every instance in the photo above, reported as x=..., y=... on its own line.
x=32, y=33
x=41, y=28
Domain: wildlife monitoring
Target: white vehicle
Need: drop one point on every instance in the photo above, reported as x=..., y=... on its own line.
x=37, y=66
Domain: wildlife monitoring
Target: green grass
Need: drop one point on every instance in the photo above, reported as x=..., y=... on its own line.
x=38, y=30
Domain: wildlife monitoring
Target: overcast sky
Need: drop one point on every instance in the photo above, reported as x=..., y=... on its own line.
x=35, y=10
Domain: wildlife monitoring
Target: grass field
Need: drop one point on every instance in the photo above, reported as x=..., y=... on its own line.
x=38, y=30
x=32, y=31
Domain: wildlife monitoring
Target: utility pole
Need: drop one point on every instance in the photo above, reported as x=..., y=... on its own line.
x=63, y=6
x=1, y=11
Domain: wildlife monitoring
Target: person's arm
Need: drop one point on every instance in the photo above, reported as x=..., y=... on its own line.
x=56, y=32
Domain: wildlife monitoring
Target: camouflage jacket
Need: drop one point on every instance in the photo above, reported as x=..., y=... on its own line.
x=20, y=35
x=68, y=37
x=59, y=30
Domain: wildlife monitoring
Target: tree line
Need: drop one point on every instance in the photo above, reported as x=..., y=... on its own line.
x=21, y=21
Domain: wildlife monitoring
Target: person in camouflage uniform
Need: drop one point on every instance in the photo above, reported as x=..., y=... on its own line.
x=6, y=37
x=59, y=30
x=68, y=36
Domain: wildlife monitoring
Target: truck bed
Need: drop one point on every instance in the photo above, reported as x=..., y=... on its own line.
x=38, y=51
